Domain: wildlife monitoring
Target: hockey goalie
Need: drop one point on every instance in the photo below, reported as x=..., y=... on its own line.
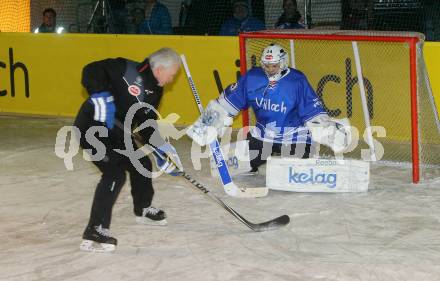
x=289, y=114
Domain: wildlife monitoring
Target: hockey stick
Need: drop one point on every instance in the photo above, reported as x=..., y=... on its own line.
x=228, y=185
x=258, y=227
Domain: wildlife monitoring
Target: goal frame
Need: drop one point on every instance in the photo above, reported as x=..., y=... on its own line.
x=411, y=38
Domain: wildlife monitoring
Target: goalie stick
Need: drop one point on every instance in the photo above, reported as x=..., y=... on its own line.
x=229, y=186
x=257, y=227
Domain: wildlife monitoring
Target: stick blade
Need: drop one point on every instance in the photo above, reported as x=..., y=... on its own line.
x=241, y=192
x=272, y=224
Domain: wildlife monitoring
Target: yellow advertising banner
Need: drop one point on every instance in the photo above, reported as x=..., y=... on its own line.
x=431, y=52
x=41, y=73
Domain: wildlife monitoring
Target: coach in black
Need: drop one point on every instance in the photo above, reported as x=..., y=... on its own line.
x=114, y=86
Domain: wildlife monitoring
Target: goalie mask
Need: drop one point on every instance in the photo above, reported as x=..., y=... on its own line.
x=274, y=62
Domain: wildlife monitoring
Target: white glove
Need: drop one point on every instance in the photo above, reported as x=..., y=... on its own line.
x=212, y=123
x=334, y=133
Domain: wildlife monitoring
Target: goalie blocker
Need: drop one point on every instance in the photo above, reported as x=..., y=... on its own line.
x=317, y=175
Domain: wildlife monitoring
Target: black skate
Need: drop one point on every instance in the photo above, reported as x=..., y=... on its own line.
x=152, y=216
x=98, y=239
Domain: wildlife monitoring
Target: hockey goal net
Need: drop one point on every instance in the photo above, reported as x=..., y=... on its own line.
x=395, y=96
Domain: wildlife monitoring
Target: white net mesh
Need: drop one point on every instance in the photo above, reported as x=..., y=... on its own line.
x=327, y=59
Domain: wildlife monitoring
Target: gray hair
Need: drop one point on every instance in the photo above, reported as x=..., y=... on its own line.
x=165, y=57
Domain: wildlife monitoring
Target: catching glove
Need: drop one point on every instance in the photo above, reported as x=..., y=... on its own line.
x=212, y=123
x=334, y=133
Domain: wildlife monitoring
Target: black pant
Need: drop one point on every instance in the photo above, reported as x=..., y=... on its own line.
x=112, y=179
x=259, y=150
x=113, y=167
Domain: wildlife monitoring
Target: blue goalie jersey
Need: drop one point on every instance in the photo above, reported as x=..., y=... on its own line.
x=281, y=108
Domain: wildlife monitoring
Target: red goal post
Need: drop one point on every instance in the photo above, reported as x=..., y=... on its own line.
x=396, y=93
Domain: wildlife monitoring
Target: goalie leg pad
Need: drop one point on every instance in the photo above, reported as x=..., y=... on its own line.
x=317, y=175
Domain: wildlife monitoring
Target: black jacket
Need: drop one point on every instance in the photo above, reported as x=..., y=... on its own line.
x=130, y=83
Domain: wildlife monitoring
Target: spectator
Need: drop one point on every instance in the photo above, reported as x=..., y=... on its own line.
x=137, y=16
x=49, y=24
x=157, y=19
x=432, y=20
x=205, y=16
x=290, y=18
x=187, y=18
x=356, y=14
x=241, y=20
x=119, y=13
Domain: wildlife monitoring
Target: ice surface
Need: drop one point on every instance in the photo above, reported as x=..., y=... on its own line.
x=390, y=233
